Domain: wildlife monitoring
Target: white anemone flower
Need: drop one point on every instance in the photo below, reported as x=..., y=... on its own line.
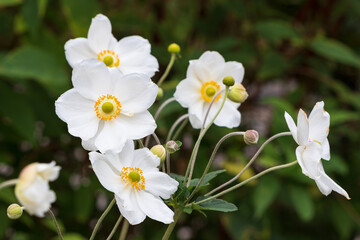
x=203, y=80
x=130, y=54
x=133, y=176
x=106, y=108
x=311, y=136
x=33, y=191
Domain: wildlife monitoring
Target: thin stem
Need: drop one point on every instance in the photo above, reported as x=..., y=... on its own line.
x=8, y=183
x=190, y=168
x=114, y=228
x=210, y=105
x=157, y=140
x=141, y=145
x=168, y=68
x=56, y=224
x=172, y=225
x=107, y=210
x=167, y=163
x=183, y=124
x=176, y=123
x=246, y=181
x=217, y=146
x=124, y=230
x=249, y=163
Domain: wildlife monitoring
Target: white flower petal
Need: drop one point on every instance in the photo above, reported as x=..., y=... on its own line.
x=107, y=173
x=213, y=60
x=197, y=114
x=195, y=122
x=131, y=211
x=291, y=124
x=311, y=157
x=136, y=92
x=48, y=171
x=228, y=117
x=319, y=122
x=99, y=35
x=325, y=183
x=123, y=158
x=135, y=57
x=160, y=184
x=78, y=113
x=325, y=150
x=154, y=207
x=137, y=126
x=112, y=137
x=299, y=151
x=91, y=78
x=77, y=50
x=302, y=128
x=187, y=92
x=199, y=71
x=233, y=69
x=145, y=160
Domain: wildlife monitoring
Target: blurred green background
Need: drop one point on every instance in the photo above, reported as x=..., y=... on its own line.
x=295, y=53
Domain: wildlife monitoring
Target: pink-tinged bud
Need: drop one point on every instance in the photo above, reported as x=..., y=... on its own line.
x=237, y=93
x=251, y=137
x=172, y=146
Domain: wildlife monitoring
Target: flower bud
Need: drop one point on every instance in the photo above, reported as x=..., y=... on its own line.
x=251, y=137
x=159, y=151
x=238, y=93
x=14, y=211
x=160, y=94
x=228, y=81
x=174, y=48
x=172, y=146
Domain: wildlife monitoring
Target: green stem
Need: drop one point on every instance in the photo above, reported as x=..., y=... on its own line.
x=246, y=181
x=115, y=227
x=183, y=124
x=124, y=230
x=176, y=123
x=107, y=210
x=168, y=68
x=56, y=224
x=190, y=168
x=8, y=183
x=172, y=225
x=141, y=145
x=249, y=163
x=211, y=160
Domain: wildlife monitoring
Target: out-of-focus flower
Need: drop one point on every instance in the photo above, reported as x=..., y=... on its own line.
x=311, y=136
x=106, y=108
x=32, y=189
x=204, y=79
x=130, y=54
x=133, y=176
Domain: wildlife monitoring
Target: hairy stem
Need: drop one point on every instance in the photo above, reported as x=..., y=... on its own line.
x=107, y=210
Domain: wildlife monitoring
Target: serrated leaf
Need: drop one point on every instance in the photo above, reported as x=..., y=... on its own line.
x=208, y=177
x=265, y=194
x=302, y=202
x=336, y=51
x=218, y=205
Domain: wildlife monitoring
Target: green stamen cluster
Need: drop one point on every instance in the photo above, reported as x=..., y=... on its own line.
x=108, y=60
x=134, y=176
x=107, y=107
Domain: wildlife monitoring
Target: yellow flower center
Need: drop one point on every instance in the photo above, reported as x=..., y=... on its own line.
x=109, y=58
x=133, y=177
x=208, y=91
x=107, y=107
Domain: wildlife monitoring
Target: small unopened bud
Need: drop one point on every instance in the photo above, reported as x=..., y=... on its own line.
x=251, y=137
x=14, y=211
x=174, y=48
x=172, y=146
x=237, y=93
x=159, y=151
x=160, y=94
x=228, y=81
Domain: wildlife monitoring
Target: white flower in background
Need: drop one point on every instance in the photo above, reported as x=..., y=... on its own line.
x=203, y=80
x=130, y=54
x=106, y=108
x=311, y=136
x=33, y=191
x=133, y=176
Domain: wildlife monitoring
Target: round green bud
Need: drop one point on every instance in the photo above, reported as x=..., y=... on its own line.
x=228, y=81
x=237, y=93
x=107, y=107
x=210, y=91
x=134, y=176
x=108, y=60
x=171, y=146
x=159, y=151
x=160, y=94
x=251, y=137
x=174, y=48
x=14, y=211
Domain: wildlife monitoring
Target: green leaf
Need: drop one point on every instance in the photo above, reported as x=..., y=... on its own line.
x=340, y=117
x=276, y=30
x=208, y=177
x=265, y=194
x=273, y=65
x=8, y=3
x=334, y=50
x=302, y=203
x=218, y=205
x=341, y=220
x=34, y=63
